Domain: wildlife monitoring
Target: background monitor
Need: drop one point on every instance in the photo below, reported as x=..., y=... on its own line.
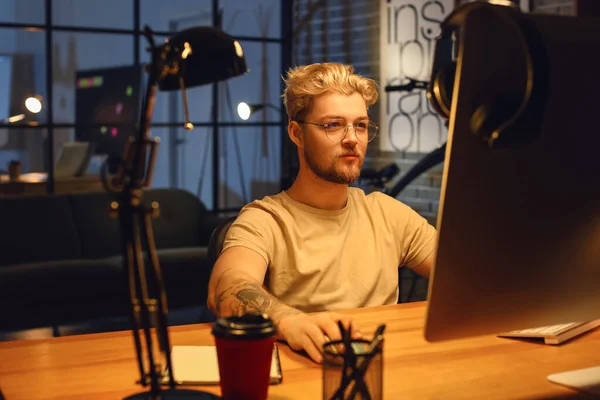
x=519, y=225
x=110, y=100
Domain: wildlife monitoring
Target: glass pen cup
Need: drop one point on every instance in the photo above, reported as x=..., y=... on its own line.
x=363, y=376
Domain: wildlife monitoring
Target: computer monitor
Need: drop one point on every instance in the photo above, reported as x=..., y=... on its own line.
x=519, y=223
x=108, y=102
x=519, y=216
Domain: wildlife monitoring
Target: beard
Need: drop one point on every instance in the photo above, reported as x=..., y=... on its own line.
x=332, y=172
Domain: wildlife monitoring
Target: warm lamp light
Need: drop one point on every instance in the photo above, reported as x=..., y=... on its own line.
x=34, y=104
x=244, y=111
x=14, y=118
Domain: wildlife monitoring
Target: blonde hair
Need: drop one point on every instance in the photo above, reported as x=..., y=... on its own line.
x=303, y=83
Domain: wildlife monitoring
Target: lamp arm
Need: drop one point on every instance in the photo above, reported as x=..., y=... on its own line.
x=145, y=283
x=13, y=119
x=186, y=113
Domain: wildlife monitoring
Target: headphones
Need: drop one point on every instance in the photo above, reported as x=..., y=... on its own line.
x=492, y=120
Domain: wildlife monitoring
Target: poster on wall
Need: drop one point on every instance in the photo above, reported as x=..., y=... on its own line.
x=409, y=29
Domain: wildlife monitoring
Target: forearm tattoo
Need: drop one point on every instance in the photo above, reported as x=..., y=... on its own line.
x=247, y=297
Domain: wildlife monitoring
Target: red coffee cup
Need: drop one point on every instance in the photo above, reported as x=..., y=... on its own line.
x=244, y=350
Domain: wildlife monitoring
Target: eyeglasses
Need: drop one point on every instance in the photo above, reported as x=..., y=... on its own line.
x=337, y=129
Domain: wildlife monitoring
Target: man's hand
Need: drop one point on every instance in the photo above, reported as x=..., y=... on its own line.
x=236, y=288
x=309, y=332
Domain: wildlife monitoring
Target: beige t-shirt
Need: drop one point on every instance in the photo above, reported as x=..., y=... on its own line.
x=330, y=260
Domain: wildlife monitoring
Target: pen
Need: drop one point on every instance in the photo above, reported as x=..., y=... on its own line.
x=359, y=373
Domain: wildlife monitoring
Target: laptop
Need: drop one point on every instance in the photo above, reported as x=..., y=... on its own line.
x=74, y=159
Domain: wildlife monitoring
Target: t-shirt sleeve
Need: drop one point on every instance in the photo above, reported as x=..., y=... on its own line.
x=252, y=229
x=420, y=239
x=417, y=238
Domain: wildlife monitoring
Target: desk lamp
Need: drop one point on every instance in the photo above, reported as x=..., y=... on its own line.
x=193, y=57
x=246, y=110
x=33, y=105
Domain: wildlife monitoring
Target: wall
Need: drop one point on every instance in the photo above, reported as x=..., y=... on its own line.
x=409, y=29
x=7, y=14
x=334, y=31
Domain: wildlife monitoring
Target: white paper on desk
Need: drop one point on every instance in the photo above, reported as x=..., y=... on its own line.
x=586, y=380
x=198, y=365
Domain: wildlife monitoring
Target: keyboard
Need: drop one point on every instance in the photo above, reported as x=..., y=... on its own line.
x=554, y=334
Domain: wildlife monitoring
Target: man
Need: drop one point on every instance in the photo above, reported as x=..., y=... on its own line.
x=326, y=246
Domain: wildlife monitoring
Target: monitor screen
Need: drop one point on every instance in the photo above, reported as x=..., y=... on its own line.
x=519, y=223
x=108, y=104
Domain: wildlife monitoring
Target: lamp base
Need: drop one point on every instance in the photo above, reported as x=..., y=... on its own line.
x=178, y=394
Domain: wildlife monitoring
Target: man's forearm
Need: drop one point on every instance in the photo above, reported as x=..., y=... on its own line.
x=240, y=296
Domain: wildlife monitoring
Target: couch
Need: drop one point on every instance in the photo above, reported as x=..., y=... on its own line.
x=60, y=257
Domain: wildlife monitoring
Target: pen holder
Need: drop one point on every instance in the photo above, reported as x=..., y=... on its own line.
x=354, y=373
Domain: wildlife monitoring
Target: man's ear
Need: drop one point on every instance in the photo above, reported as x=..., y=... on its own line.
x=295, y=133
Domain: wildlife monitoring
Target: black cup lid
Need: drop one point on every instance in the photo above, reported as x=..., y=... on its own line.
x=249, y=326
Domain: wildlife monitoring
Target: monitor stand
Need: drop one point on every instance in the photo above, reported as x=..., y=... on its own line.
x=585, y=380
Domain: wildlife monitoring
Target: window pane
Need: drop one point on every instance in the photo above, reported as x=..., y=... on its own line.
x=23, y=11
x=184, y=160
x=8, y=41
x=259, y=18
x=251, y=164
x=99, y=93
x=27, y=146
x=75, y=53
x=117, y=14
x=23, y=75
x=261, y=85
x=160, y=15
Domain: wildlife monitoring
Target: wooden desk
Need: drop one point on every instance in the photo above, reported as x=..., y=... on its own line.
x=102, y=366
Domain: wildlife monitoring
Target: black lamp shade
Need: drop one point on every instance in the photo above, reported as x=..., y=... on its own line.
x=211, y=56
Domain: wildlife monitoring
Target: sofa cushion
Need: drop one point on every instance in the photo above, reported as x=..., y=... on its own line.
x=62, y=259
x=55, y=292
x=183, y=221
x=37, y=228
x=98, y=231
x=63, y=292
